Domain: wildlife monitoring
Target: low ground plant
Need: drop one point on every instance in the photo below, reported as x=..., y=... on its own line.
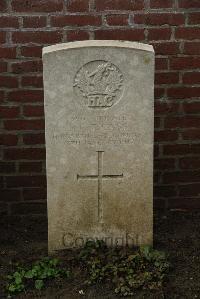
x=126, y=269
x=35, y=276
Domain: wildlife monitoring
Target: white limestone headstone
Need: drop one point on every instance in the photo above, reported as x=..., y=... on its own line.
x=99, y=142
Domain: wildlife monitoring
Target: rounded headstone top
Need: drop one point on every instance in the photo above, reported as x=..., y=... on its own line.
x=98, y=43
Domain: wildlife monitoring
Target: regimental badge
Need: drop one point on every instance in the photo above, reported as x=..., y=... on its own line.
x=99, y=83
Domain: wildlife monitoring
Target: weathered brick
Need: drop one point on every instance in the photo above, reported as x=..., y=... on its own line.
x=26, y=96
x=182, y=122
x=166, y=48
x=3, y=209
x=189, y=4
x=157, y=122
x=195, y=149
x=165, y=135
x=165, y=191
x=38, y=37
x=117, y=20
x=184, y=63
x=31, y=51
x=121, y=34
x=3, y=66
x=187, y=204
x=7, y=167
x=25, y=181
x=75, y=35
x=1, y=181
x=132, y=5
x=194, y=18
x=34, y=193
x=22, y=124
x=2, y=37
x=159, y=19
x=161, y=3
x=37, y=6
x=8, y=81
x=2, y=97
x=27, y=66
x=7, y=52
x=156, y=150
x=166, y=108
x=187, y=33
x=193, y=107
x=191, y=78
x=166, y=163
x=3, y=6
x=30, y=139
x=9, y=112
x=34, y=22
x=78, y=5
x=181, y=176
x=30, y=167
x=191, y=134
x=161, y=63
x=158, y=92
x=160, y=204
x=32, y=111
x=75, y=20
x=34, y=81
x=157, y=176
x=192, y=48
x=10, y=194
x=9, y=22
x=189, y=163
x=159, y=33
x=190, y=189
x=166, y=78
x=181, y=149
x=24, y=154
x=8, y=139
x=28, y=208
x=183, y=92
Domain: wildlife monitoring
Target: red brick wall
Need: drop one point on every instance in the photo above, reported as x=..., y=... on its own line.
x=172, y=26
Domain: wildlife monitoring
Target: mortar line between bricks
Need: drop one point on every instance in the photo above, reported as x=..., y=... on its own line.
x=96, y=13
x=54, y=28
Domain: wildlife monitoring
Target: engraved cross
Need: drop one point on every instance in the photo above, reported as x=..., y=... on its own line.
x=99, y=177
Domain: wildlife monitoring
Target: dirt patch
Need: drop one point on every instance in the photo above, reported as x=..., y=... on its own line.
x=178, y=234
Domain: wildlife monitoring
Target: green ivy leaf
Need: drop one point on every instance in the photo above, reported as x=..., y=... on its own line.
x=18, y=280
x=29, y=274
x=11, y=288
x=39, y=284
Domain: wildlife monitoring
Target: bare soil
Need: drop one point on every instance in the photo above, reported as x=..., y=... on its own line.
x=177, y=233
